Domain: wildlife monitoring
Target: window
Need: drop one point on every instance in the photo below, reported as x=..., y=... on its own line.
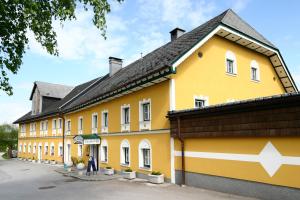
x=80, y=124
x=94, y=122
x=23, y=128
x=80, y=153
x=146, y=111
x=34, y=148
x=104, y=151
x=199, y=103
x=46, y=149
x=125, y=118
x=59, y=123
x=145, y=155
x=54, y=124
x=104, y=121
x=24, y=148
x=52, y=150
x=68, y=128
x=125, y=153
x=29, y=148
x=46, y=126
x=126, y=115
x=60, y=149
x=229, y=66
x=255, y=73
x=230, y=63
x=20, y=148
x=145, y=114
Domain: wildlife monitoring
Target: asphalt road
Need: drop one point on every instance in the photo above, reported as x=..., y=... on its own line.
x=24, y=180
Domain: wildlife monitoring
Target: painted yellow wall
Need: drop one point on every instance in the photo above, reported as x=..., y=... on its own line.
x=160, y=144
x=207, y=75
x=159, y=95
x=287, y=175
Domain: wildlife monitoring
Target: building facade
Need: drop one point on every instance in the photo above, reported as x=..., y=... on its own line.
x=222, y=61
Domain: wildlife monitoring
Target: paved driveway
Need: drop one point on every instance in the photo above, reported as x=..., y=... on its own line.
x=23, y=180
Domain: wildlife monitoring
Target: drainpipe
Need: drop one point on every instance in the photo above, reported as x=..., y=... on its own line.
x=182, y=153
x=63, y=132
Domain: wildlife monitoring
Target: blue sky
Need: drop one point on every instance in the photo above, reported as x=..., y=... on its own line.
x=139, y=26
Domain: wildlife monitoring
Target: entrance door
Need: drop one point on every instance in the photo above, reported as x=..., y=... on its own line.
x=40, y=153
x=94, y=153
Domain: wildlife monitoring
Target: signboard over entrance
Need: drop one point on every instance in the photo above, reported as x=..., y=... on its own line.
x=87, y=139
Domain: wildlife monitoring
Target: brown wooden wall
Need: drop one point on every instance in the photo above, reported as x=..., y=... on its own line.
x=268, y=117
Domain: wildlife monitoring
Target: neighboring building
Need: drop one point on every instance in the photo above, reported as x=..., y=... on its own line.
x=222, y=61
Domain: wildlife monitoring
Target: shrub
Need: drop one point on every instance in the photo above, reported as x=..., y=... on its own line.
x=80, y=160
x=156, y=173
x=108, y=167
x=128, y=170
x=74, y=160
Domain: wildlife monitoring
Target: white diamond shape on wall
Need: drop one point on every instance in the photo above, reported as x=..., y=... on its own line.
x=270, y=159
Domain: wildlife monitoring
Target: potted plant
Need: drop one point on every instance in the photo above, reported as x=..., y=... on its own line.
x=80, y=166
x=46, y=161
x=129, y=174
x=68, y=165
x=33, y=159
x=52, y=162
x=156, y=177
x=109, y=170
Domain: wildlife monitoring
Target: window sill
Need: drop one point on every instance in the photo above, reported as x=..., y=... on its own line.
x=145, y=169
x=255, y=81
x=103, y=162
x=230, y=74
x=124, y=165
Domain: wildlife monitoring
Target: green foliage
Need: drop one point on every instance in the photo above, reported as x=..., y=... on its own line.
x=5, y=155
x=108, y=167
x=156, y=173
x=8, y=137
x=74, y=160
x=80, y=160
x=128, y=170
x=17, y=17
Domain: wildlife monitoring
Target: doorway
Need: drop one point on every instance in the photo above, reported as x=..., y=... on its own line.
x=94, y=152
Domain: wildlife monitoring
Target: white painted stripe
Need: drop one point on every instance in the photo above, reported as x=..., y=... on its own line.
x=269, y=158
x=172, y=95
x=172, y=160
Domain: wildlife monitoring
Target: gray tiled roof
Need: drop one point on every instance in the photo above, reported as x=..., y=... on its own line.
x=163, y=56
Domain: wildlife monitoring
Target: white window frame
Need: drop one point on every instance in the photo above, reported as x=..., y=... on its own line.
x=104, y=129
x=144, y=125
x=20, y=147
x=124, y=144
x=46, y=127
x=24, y=148
x=54, y=126
x=95, y=125
x=68, y=129
x=52, y=145
x=80, y=125
x=125, y=127
x=203, y=98
x=145, y=144
x=255, y=65
x=80, y=150
x=23, y=130
x=41, y=128
x=231, y=56
x=102, y=155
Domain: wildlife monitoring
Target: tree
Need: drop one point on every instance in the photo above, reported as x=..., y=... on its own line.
x=8, y=138
x=17, y=17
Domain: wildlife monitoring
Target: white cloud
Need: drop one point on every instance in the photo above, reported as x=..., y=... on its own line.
x=9, y=112
x=239, y=5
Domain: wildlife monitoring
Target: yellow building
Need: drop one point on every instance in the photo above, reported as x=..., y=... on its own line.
x=224, y=60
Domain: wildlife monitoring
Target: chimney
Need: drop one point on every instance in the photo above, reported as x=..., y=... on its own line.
x=176, y=33
x=115, y=64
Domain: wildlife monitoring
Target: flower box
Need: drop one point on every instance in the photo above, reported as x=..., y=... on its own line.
x=129, y=175
x=46, y=161
x=109, y=171
x=33, y=161
x=53, y=162
x=156, y=179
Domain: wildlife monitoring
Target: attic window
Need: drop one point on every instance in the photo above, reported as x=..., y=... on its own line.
x=230, y=63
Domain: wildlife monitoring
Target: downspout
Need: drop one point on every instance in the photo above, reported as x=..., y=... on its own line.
x=182, y=153
x=63, y=132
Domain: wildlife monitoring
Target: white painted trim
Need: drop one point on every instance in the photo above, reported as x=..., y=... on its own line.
x=150, y=132
x=103, y=144
x=254, y=64
x=124, y=143
x=172, y=95
x=125, y=127
x=172, y=153
x=201, y=97
x=270, y=158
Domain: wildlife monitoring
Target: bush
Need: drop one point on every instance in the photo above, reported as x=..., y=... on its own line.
x=128, y=170
x=80, y=160
x=108, y=167
x=74, y=160
x=5, y=156
x=155, y=173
